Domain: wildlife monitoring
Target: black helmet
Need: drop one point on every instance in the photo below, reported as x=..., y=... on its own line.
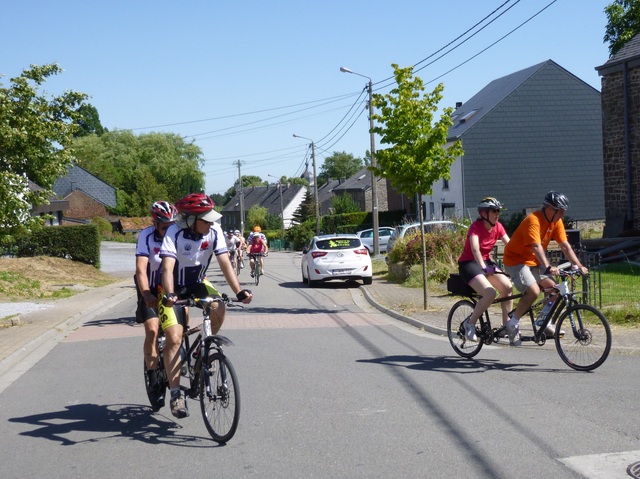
x=556, y=200
x=489, y=203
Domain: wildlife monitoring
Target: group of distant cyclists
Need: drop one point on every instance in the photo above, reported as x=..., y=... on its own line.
x=172, y=257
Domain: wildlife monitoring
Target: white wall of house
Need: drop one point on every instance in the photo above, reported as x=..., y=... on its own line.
x=446, y=200
x=291, y=208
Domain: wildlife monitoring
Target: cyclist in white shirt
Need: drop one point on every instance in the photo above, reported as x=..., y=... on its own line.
x=186, y=252
x=147, y=280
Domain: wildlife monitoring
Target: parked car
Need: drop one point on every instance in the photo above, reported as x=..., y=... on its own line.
x=411, y=228
x=366, y=236
x=335, y=257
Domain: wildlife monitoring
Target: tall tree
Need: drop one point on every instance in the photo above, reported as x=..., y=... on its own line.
x=35, y=131
x=338, y=165
x=416, y=157
x=143, y=168
x=89, y=121
x=306, y=210
x=623, y=23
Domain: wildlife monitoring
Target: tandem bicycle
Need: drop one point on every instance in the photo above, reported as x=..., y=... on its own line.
x=584, y=345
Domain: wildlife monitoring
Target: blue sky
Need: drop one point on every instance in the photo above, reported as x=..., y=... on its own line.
x=240, y=78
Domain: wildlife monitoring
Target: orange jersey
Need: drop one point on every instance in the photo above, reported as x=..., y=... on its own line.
x=533, y=229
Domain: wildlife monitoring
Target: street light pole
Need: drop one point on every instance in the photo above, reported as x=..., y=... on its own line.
x=315, y=181
x=374, y=183
x=281, y=207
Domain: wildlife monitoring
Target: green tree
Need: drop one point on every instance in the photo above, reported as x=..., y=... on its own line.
x=306, y=210
x=623, y=23
x=143, y=168
x=89, y=121
x=257, y=216
x=339, y=165
x=417, y=157
x=35, y=132
x=344, y=204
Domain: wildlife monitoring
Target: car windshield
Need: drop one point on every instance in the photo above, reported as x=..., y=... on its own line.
x=338, y=243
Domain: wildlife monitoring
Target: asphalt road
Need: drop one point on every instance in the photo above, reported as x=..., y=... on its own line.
x=330, y=388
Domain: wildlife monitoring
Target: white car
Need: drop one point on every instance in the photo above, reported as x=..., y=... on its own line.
x=366, y=236
x=335, y=257
x=411, y=228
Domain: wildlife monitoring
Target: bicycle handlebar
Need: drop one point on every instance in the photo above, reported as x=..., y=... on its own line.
x=224, y=299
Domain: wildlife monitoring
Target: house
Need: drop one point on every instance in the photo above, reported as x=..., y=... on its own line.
x=279, y=200
x=535, y=130
x=88, y=195
x=53, y=209
x=358, y=186
x=621, y=145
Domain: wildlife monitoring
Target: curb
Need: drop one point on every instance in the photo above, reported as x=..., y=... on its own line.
x=406, y=319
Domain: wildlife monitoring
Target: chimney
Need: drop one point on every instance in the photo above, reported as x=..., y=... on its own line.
x=458, y=104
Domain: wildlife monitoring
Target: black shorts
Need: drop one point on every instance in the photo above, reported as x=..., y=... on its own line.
x=470, y=269
x=144, y=312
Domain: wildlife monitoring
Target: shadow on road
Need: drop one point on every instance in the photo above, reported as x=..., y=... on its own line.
x=455, y=364
x=92, y=423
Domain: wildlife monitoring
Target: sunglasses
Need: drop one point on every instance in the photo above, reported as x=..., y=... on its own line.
x=495, y=211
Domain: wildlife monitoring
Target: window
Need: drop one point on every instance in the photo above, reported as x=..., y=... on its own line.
x=445, y=184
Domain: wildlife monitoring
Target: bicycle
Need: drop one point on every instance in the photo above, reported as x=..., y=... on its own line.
x=584, y=348
x=212, y=377
x=257, y=267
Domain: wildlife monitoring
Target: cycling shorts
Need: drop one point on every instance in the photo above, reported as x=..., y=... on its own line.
x=175, y=314
x=524, y=276
x=144, y=312
x=469, y=270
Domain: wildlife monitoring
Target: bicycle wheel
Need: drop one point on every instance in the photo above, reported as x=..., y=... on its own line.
x=455, y=330
x=587, y=339
x=220, y=398
x=257, y=272
x=156, y=395
x=238, y=266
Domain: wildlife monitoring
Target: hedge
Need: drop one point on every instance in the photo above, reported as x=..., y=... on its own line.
x=78, y=243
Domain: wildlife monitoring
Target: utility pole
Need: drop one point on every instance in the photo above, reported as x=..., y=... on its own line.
x=241, y=199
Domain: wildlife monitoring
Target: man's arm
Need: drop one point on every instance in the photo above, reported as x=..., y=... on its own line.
x=230, y=275
x=143, y=281
x=568, y=252
x=168, y=264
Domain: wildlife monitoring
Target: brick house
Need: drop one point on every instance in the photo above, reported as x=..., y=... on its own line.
x=529, y=132
x=88, y=195
x=621, y=141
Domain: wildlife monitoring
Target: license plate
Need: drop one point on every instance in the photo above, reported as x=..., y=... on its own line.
x=341, y=271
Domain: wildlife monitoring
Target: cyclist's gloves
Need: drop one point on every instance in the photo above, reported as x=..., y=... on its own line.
x=243, y=294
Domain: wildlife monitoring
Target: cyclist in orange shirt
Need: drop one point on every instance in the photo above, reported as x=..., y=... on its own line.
x=525, y=258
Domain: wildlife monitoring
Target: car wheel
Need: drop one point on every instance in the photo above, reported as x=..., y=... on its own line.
x=367, y=280
x=304, y=280
x=310, y=282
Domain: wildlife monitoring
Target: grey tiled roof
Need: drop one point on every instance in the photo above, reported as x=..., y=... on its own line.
x=264, y=196
x=486, y=99
x=630, y=51
x=77, y=178
x=361, y=180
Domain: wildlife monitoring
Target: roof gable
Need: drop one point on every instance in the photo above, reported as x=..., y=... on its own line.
x=264, y=196
x=77, y=178
x=487, y=99
x=629, y=53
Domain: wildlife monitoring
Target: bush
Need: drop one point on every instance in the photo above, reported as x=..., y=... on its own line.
x=78, y=243
x=104, y=227
x=300, y=235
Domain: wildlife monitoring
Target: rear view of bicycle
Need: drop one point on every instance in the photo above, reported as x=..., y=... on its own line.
x=256, y=270
x=211, y=376
x=582, y=334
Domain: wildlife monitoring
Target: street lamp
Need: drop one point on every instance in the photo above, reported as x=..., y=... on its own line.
x=374, y=184
x=281, y=207
x=315, y=180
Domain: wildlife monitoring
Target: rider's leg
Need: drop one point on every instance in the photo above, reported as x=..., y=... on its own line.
x=262, y=264
x=483, y=287
x=216, y=315
x=151, y=327
x=173, y=360
x=503, y=285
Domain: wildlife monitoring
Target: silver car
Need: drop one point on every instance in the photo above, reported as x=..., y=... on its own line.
x=411, y=228
x=335, y=257
x=366, y=236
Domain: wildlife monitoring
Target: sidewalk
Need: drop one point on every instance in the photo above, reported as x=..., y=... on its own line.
x=39, y=330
